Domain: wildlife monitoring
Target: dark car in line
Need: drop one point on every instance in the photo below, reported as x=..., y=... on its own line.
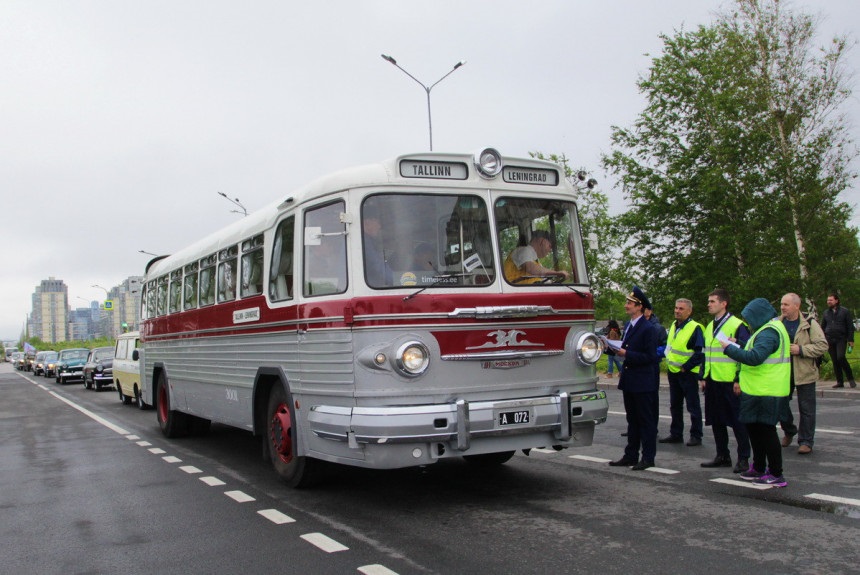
x=98, y=370
x=51, y=364
x=70, y=364
x=39, y=362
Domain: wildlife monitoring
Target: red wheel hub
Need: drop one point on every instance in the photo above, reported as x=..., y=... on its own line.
x=279, y=430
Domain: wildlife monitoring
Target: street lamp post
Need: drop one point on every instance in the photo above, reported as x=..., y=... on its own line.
x=426, y=88
x=235, y=201
x=147, y=253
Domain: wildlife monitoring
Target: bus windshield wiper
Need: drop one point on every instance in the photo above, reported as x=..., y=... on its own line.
x=437, y=280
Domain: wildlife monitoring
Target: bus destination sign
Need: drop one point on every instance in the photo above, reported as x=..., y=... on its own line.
x=433, y=170
x=514, y=175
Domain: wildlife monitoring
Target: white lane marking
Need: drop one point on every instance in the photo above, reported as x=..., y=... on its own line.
x=276, y=516
x=44, y=387
x=833, y=499
x=190, y=469
x=663, y=470
x=171, y=459
x=741, y=483
x=156, y=451
x=625, y=413
x=144, y=443
x=836, y=431
x=589, y=458
x=376, y=570
x=239, y=496
x=544, y=450
x=132, y=437
x=211, y=481
x=91, y=415
x=325, y=543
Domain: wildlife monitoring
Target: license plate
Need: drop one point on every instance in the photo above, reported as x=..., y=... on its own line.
x=514, y=417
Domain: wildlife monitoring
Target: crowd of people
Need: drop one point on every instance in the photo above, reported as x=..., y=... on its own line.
x=748, y=368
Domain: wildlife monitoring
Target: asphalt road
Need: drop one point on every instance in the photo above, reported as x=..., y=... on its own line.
x=88, y=485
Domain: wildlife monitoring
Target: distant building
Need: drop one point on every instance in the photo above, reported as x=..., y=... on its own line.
x=49, y=318
x=126, y=305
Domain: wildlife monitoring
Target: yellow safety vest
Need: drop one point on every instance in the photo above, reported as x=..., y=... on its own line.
x=718, y=365
x=676, y=357
x=773, y=377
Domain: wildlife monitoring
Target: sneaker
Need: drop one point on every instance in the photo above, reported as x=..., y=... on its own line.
x=769, y=479
x=751, y=474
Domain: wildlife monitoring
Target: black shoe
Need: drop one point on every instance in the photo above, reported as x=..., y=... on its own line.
x=838, y=385
x=642, y=465
x=742, y=465
x=623, y=462
x=694, y=441
x=671, y=439
x=853, y=384
x=719, y=461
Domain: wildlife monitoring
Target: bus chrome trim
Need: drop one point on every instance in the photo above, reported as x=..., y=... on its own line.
x=458, y=422
x=512, y=311
x=490, y=355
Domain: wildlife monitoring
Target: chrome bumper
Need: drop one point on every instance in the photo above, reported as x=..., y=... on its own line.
x=459, y=422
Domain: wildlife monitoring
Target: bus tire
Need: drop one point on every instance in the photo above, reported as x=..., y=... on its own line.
x=489, y=459
x=293, y=470
x=126, y=400
x=172, y=423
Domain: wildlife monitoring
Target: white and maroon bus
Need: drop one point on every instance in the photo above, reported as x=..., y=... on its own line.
x=366, y=319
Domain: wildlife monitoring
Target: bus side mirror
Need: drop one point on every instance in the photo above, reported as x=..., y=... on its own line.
x=313, y=236
x=135, y=355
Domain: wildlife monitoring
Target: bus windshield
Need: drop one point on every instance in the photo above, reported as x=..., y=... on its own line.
x=426, y=240
x=538, y=241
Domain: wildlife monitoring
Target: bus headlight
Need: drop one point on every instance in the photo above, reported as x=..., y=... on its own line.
x=488, y=162
x=412, y=358
x=588, y=349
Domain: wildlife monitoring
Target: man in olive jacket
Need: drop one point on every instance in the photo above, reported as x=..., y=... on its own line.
x=808, y=344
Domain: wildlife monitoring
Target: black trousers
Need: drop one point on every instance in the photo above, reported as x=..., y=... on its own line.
x=766, y=448
x=840, y=362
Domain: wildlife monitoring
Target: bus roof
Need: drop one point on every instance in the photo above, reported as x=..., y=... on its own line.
x=421, y=169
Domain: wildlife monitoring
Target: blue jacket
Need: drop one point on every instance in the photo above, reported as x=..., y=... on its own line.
x=641, y=369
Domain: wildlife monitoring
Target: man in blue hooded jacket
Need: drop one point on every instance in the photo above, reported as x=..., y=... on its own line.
x=765, y=376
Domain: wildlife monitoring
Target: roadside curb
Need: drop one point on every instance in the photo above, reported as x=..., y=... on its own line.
x=823, y=389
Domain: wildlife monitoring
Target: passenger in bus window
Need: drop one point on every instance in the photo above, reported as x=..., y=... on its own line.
x=207, y=286
x=252, y=273
x=376, y=268
x=522, y=265
x=227, y=281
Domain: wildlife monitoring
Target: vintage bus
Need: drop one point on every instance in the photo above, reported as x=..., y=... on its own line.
x=366, y=319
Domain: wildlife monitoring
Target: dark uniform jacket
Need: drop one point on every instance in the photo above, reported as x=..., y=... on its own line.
x=641, y=369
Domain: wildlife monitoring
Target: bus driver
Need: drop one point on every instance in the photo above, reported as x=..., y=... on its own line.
x=522, y=265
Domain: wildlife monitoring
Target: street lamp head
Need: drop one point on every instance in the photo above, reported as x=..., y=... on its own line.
x=389, y=58
x=460, y=63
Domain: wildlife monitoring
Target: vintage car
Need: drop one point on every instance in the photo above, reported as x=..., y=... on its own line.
x=39, y=363
x=126, y=369
x=98, y=370
x=18, y=360
x=50, y=364
x=70, y=364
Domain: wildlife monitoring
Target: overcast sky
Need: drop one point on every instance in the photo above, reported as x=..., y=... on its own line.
x=121, y=120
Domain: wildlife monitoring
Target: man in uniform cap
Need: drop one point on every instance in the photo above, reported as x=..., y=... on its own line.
x=639, y=381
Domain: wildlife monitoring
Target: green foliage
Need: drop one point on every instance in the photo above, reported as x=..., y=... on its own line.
x=61, y=345
x=735, y=166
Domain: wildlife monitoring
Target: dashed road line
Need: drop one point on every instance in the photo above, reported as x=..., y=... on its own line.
x=625, y=413
x=144, y=443
x=190, y=469
x=376, y=570
x=741, y=483
x=590, y=458
x=132, y=437
x=833, y=499
x=171, y=459
x=276, y=516
x=156, y=451
x=836, y=431
x=209, y=480
x=324, y=542
x=239, y=496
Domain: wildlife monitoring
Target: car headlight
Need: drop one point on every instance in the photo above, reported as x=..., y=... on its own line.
x=412, y=358
x=588, y=349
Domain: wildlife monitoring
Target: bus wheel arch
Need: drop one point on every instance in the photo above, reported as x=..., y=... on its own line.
x=172, y=423
x=280, y=434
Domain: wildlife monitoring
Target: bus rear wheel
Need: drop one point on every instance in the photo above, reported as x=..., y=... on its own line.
x=295, y=471
x=172, y=422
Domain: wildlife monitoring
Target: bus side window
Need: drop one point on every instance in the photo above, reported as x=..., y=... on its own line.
x=227, y=274
x=281, y=270
x=207, y=281
x=325, y=262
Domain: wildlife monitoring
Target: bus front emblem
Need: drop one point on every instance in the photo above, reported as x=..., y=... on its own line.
x=506, y=339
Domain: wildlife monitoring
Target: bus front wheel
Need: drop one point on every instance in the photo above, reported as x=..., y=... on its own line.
x=295, y=471
x=172, y=422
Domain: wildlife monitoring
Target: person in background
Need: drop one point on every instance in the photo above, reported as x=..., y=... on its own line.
x=376, y=268
x=765, y=377
x=720, y=383
x=662, y=334
x=639, y=382
x=808, y=344
x=685, y=357
x=839, y=331
x=613, y=332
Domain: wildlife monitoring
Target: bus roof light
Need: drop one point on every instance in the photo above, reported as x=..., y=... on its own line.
x=488, y=162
